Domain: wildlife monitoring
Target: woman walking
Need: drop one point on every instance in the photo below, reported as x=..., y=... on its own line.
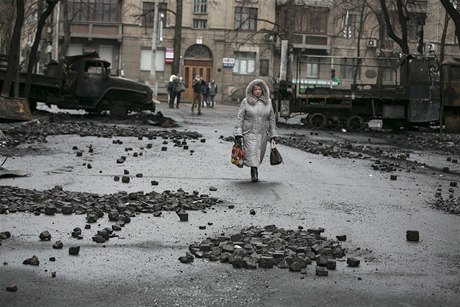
x=255, y=125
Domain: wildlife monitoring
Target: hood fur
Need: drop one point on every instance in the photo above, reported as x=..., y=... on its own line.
x=266, y=92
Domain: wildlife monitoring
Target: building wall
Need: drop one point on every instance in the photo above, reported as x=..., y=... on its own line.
x=130, y=37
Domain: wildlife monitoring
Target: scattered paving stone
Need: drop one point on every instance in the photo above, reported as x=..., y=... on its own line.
x=74, y=250
x=183, y=216
x=341, y=237
x=445, y=169
x=45, y=236
x=89, y=166
x=202, y=227
x=5, y=235
x=321, y=271
x=32, y=261
x=270, y=246
x=157, y=213
x=203, y=140
x=140, y=175
x=353, y=262
x=393, y=177
x=188, y=258
x=212, y=189
x=52, y=259
x=50, y=210
x=252, y=212
x=331, y=264
x=58, y=245
x=125, y=179
x=116, y=178
x=164, y=148
x=412, y=235
x=53, y=274
x=79, y=153
x=154, y=182
x=12, y=288
x=87, y=226
x=453, y=183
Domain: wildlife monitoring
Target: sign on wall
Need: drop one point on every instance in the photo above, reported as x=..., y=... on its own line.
x=228, y=62
x=169, y=56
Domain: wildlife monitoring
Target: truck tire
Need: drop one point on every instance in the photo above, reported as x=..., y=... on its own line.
x=317, y=120
x=354, y=123
x=32, y=104
x=118, y=111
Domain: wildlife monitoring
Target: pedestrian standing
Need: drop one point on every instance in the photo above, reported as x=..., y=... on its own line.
x=255, y=125
x=180, y=87
x=197, y=85
x=172, y=94
x=212, y=93
x=205, y=94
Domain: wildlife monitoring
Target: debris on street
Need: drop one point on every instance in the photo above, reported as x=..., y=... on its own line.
x=270, y=246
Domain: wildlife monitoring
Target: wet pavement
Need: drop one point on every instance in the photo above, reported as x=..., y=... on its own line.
x=140, y=266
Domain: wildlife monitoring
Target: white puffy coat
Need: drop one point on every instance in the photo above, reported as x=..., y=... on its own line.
x=256, y=123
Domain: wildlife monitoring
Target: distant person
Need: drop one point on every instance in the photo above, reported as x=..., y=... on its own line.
x=172, y=94
x=255, y=125
x=197, y=85
x=205, y=94
x=334, y=78
x=212, y=86
x=180, y=87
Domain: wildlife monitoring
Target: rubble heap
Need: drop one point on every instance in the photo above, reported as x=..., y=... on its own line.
x=119, y=206
x=272, y=246
x=37, y=131
x=449, y=203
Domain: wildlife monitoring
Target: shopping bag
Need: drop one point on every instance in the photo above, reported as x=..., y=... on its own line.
x=237, y=155
x=275, y=156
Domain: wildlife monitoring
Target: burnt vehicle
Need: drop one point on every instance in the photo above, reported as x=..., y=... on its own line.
x=399, y=91
x=85, y=82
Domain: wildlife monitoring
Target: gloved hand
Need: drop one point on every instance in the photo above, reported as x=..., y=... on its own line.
x=239, y=141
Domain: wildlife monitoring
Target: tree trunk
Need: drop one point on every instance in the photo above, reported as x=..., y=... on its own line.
x=66, y=42
x=33, y=52
x=177, y=38
x=442, y=50
x=401, y=41
x=455, y=15
x=13, y=57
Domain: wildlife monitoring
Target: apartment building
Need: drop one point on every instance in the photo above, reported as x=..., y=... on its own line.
x=235, y=41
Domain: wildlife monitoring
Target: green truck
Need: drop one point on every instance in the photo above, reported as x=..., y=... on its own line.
x=85, y=82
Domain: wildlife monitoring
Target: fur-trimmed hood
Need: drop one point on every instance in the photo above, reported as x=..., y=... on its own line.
x=265, y=95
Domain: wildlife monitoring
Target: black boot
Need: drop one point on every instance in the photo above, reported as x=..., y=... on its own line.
x=254, y=175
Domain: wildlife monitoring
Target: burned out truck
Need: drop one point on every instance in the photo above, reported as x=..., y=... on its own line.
x=85, y=82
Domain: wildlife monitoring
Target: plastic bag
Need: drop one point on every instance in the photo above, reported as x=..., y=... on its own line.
x=237, y=155
x=275, y=156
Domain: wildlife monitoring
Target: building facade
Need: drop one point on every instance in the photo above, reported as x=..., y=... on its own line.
x=234, y=42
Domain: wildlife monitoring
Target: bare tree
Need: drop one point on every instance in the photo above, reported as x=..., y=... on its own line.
x=401, y=10
x=6, y=25
x=455, y=15
x=13, y=57
x=50, y=4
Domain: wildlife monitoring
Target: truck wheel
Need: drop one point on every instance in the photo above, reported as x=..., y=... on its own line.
x=318, y=120
x=32, y=104
x=354, y=123
x=118, y=111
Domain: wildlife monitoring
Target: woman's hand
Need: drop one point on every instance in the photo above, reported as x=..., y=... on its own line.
x=239, y=141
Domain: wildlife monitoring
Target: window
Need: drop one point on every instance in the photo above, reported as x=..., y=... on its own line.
x=351, y=25
x=199, y=23
x=245, y=63
x=245, y=18
x=200, y=6
x=95, y=10
x=348, y=67
x=148, y=12
x=312, y=70
x=308, y=19
x=146, y=59
x=264, y=68
x=388, y=72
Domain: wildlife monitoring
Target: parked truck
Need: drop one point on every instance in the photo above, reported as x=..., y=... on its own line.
x=85, y=82
x=400, y=92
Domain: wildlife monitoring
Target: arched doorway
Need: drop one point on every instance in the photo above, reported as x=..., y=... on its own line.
x=197, y=59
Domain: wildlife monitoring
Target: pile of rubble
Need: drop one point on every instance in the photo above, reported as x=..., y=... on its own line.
x=119, y=206
x=271, y=246
x=37, y=131
x=451, y=203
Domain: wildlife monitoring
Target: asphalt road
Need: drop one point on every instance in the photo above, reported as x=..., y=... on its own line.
x=140, y=268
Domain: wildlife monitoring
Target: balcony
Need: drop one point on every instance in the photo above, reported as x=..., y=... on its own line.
x=95, y=30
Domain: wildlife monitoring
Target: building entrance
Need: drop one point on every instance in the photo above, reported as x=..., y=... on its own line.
x=197, y=59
